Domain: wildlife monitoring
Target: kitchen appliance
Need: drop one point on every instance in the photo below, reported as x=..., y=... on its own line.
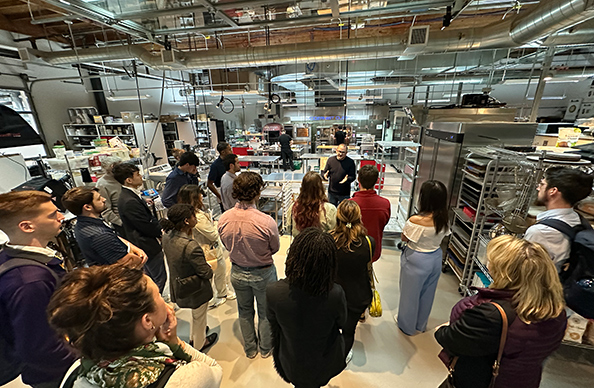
x=444, y=146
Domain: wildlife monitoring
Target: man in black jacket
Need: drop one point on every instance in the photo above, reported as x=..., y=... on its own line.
x=340, y=171
x=142, y=227
x=286, y=152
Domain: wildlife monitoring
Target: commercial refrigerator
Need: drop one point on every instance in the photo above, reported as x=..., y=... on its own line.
x=444, y=145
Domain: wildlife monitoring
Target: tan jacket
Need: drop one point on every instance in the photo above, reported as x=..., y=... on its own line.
x=205, y=232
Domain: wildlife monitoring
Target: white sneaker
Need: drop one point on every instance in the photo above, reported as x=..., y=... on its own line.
x=349, y=356
x=216, y=302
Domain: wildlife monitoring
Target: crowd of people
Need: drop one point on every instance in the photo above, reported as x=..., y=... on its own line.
x=111, y=313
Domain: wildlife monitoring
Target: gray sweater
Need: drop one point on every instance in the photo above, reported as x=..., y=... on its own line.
x=110, y=189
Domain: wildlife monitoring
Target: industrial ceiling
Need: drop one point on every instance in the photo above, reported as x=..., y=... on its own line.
x=366, y=45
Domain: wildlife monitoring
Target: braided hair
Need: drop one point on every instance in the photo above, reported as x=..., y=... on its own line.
x=311, y=262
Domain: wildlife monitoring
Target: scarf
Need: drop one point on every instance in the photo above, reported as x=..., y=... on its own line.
x=138, y=368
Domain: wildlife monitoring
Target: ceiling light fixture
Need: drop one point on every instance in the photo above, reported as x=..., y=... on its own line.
x=128, y=98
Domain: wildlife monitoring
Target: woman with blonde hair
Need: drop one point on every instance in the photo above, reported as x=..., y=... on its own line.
x=354, y=255
x=312, y=208
x=527, y=287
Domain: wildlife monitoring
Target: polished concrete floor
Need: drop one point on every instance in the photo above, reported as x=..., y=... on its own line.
x=383, y=356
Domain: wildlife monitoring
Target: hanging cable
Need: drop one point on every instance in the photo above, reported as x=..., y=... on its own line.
x=139, y=100
x=160, y=107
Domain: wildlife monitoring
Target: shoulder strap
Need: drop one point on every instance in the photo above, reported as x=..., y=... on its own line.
x=502, y=340
x=370, y=250
x=163, y=377
x=561, y=226
x=18, y=262
x=372, y=277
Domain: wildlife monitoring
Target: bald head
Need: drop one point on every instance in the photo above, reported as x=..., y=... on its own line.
x=341, y=152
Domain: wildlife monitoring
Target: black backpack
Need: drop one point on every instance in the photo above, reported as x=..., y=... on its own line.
x=11, y=368
x=578, y=274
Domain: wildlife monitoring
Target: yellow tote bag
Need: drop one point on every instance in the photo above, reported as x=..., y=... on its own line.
x=375, y=308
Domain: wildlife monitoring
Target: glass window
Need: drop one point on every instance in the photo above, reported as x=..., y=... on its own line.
x=18, y=101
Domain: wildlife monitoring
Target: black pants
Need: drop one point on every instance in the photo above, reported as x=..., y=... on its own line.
x=287, y=156
x=348, y=330
x=155, y=269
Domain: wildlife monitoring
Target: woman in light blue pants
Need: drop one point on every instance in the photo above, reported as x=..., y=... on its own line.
x=419, y=273
x=420, y=263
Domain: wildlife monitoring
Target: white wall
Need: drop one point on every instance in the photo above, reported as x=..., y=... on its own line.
x=51, y=98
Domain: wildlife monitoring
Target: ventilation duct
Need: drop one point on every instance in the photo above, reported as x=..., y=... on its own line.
x=548, y=18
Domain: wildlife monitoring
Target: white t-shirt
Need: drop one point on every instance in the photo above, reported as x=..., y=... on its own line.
x=423, y=238
x=555, y=242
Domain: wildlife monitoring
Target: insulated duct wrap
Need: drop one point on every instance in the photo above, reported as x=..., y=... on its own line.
x=549, y=17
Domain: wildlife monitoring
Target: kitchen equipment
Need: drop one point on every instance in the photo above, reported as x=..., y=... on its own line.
x=445, y=144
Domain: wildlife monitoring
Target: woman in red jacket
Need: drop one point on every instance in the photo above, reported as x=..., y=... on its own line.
x=526, y=285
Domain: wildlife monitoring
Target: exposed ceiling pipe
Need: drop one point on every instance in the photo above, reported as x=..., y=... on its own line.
x=580, y=34
x=544, y=20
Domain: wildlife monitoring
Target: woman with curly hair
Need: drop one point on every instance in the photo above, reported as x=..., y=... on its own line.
x=312, y=207
x=306, y=311
x=353, y=258
x=251, y=237
x=127, y=335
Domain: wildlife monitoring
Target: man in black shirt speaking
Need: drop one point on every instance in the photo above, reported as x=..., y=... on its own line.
x=286, y=152
x=340, y=171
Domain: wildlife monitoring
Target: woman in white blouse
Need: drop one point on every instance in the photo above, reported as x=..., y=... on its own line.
x=207, y=235
x=420, y=262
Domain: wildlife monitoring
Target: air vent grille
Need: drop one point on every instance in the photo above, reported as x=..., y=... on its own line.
x=418, y=36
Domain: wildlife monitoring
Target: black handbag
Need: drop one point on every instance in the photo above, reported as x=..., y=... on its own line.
x=449, y=381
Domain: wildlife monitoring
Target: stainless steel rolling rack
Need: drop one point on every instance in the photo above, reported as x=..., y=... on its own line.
x=397, y=176
x=496, y=190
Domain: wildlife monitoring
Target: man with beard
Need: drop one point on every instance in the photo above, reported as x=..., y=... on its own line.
x=559, y=191
x=30, y=273
x=340, y=171
x=98, y=242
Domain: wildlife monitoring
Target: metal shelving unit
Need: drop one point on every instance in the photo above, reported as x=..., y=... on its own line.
x=81, y=136
x=496, y=190
x=397, y=163
x=202, y=134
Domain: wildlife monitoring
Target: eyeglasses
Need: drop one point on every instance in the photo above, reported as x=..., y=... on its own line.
x=341, y=152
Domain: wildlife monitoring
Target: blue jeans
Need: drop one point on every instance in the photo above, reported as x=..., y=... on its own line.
x=250, y=283
x=335, y=199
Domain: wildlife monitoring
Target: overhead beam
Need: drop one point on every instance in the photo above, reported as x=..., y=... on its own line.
x=102, y=16
x=190, y=9
x=406, y=10
x=218, y=12
x=25, y=28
